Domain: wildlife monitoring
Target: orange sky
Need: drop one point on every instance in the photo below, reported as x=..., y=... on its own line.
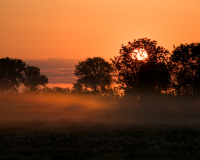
x=37, y=29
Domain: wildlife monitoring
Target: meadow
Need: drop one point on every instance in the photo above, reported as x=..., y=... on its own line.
x=78, y=127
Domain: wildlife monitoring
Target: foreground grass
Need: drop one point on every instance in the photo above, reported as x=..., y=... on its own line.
x=94, y=142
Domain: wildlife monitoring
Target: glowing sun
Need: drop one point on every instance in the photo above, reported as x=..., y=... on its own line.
x=140, y=54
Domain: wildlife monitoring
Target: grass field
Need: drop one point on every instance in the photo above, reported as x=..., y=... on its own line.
x=60, y=127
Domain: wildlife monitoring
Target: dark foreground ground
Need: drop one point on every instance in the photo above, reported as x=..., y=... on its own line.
x=66, y=128
x=100, y=142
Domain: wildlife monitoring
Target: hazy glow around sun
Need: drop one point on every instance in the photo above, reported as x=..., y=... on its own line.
x=140, y=54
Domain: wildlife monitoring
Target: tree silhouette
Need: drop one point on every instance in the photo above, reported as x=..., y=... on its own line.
x=11, y=74
x=196, y=82
x=78, y=88
x=148, y=76
x=33, y=79
x=152, y=78
x=94, y=74
x=186, y=68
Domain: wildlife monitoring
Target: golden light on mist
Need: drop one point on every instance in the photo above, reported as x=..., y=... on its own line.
x=140, y=54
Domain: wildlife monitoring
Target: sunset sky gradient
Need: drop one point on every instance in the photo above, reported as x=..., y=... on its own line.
x=59, y=33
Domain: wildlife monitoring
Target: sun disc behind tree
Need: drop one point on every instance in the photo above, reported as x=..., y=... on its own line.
x=140, y=54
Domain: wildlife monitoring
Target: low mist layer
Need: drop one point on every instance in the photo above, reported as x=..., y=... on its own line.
x=33, y=110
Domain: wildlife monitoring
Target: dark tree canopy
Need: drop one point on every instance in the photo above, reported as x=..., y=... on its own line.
x=186, y=68
x=11, y=74
x=14, y=72
x=148, y=76
x=94, y=74
x=33, y=78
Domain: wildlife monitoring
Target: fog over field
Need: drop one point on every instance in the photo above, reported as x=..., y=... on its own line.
x=58, y=111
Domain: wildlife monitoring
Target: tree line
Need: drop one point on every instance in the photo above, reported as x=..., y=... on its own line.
x=176, y=73
x=161, y=73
